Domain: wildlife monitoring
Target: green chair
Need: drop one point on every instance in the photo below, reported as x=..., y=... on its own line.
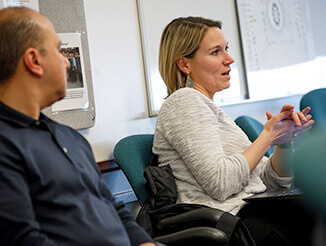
x=252, y=128
x=316, y=99
x=133, y=154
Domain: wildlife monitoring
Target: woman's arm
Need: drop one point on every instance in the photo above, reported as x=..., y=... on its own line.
x=278, y=130
x=272, y=129
x=280, y=156
x=194, y=136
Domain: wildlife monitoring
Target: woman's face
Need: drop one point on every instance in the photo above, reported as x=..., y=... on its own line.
x=209, y=69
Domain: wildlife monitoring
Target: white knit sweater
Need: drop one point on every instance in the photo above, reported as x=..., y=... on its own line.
x=203, y=146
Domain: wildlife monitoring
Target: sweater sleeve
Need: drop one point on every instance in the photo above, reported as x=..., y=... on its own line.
x=189, y=123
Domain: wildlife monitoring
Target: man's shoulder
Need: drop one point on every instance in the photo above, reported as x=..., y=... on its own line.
x=7, y=129
x=65, y=129
x=58, y=124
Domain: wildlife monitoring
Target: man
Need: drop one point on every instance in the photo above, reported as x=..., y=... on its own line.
x=51, y=192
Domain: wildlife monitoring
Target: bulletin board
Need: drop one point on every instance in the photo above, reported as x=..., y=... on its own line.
x=68, y=18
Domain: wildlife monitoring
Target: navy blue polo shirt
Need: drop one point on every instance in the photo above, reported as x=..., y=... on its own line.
x=51, y=191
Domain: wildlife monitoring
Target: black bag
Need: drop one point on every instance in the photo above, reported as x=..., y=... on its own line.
x=162, y=204
x=164, y=195
x=162, y=184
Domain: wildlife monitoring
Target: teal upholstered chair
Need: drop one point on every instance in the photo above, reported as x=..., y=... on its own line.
x=252, y=128
x=316, y=99
x=133, y=154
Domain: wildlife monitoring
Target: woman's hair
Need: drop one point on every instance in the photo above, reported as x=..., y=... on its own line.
x=181, y=38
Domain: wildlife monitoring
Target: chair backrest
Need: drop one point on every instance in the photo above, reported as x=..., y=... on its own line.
x=133, y=154
x=316, y=99
x=252, y=128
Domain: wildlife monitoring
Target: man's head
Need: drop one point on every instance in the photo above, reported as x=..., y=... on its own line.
x=30, y=49
x=18, y=31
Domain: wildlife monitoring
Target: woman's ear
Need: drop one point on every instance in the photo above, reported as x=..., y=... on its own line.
x=183, y=65
x=32, y=59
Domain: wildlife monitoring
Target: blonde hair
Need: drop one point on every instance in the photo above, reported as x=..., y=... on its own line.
x=181, y=38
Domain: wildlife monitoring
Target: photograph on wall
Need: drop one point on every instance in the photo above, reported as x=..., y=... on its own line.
x=74, y=74
x=32, y=4
x=76, y=95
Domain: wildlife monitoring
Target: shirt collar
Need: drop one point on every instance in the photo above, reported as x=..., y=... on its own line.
x=10, y=115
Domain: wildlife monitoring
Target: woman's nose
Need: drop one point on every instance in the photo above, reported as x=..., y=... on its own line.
x=228, y=59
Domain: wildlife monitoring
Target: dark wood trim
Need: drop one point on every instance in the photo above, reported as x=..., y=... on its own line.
x=107, y=166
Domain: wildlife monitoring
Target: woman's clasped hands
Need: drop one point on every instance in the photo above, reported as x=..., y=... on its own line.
x=288, y=125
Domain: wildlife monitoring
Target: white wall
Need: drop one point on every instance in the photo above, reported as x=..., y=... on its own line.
x=118, y=74
x=118, y=77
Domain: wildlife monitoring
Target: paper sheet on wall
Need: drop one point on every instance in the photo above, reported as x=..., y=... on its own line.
x=33, y=4
x=77, y=96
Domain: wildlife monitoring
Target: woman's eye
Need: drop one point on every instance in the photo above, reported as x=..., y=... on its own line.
x=215, y=52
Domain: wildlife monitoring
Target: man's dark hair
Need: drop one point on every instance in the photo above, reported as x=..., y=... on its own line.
x=18, y=32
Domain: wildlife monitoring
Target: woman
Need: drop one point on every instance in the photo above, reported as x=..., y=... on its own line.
x=212, y=160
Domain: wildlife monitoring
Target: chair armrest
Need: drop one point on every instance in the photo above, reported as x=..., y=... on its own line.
x=195, y=236
x=206, y=217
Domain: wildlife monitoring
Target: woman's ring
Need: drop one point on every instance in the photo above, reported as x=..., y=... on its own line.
x=295, y=134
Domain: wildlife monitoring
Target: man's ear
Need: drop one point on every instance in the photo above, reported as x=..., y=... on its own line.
x=32, y=59
x=183, y=65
